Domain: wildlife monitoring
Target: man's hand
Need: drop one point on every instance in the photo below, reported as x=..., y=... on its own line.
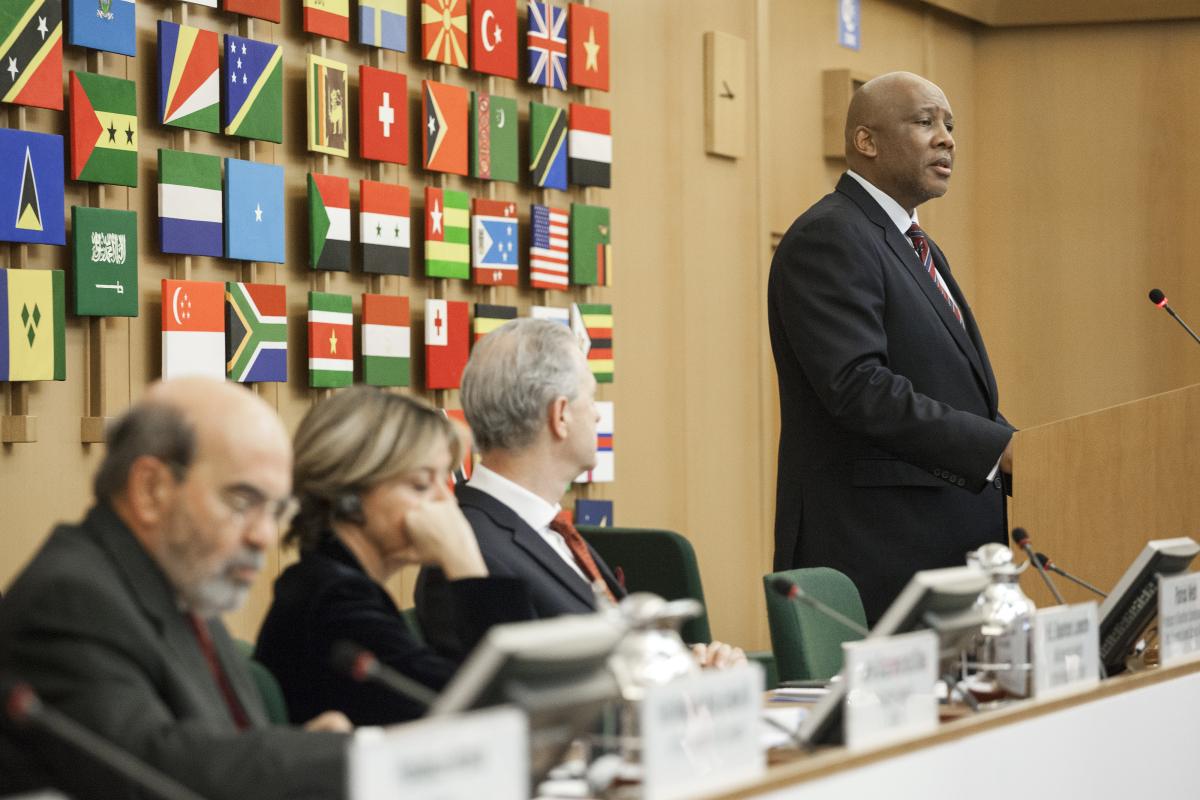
x=329, y=722
x=718, y=655
x=1006, y=459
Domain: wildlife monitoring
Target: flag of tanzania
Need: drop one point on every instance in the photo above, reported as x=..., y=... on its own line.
x=104, y=129
x=256, y=332
x=548, y=146
x=253, y=81
x=32, y=325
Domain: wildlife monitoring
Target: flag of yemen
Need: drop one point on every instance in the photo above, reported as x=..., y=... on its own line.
x=104, y=129
x=589, y=146
x=329, y=222
x=330, y=340
x=256, y=332
x=386, y=340
x=32, y=325
x=384, y=227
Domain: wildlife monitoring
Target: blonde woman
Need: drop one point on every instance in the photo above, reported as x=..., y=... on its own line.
x=371, y=473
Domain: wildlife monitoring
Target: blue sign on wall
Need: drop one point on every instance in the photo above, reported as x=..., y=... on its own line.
x=848, y=19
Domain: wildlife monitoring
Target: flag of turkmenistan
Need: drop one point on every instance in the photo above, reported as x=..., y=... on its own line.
x=493, y=137
x=104, y=129
x=329, y=222
x=256, y=332
x=106, y=261
x=386, y=340
x=447, y=234
x=591, y=245
x=330, y=340
x=32, y=325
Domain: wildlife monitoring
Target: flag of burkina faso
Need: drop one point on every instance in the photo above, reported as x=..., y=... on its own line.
x=329, y=222
x=330, y=340
x=591, y=245
x=104, y=129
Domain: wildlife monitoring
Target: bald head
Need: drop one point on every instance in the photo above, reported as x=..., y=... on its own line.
x=221, y=414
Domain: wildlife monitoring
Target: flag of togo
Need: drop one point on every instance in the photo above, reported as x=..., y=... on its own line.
x=329, y=222
x=256, y=332
x=447, y=240
x=104, y=129
x=330, y=340
x=384, y=227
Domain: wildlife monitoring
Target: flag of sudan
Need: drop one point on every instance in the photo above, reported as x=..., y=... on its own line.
x=384, y=227
x=548, y=146
x=386, y=340
x=447, y=238
x=589, y=146
x=31, y=53
x=32, y=325
x=256, y=332
x=104, y=129
x=591, y=246
x=489, y=317
x=329, y=222
x=330, y=340
x=252, y=78
x=592, y=324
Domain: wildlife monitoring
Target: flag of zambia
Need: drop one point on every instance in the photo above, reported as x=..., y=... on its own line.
x=104, y=129
x=32, y=325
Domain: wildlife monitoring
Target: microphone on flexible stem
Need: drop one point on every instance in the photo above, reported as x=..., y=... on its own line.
x=1021, y=537
x=793, y=592
x=362, y=665
x=1159, y=299
x=1057, y=570
x=25, y=709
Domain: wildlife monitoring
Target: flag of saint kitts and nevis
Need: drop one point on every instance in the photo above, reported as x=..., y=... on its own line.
x=104, y=129
x=447, y=342
x=193, y=329
x=252, y=77
x=589, y=145
x=548, y=146
x=548, y=255
x=386, y=340
x=31, y=50
x=592, y=324
x=329, y=222
x=489, y=317
x=256, y=332
x=330, y=340
x=447, y=240
x=190, y=204
x=494, y=252
x=384, y=227
x=591, y=246
x=32, y=325
x=189, y=94
x=328, y=18
x=493, y=137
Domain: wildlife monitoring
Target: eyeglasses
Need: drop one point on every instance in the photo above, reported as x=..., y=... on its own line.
x=248, y=505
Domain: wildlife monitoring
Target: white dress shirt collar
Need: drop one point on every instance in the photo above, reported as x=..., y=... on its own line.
x=896, y=213
x=533, y=510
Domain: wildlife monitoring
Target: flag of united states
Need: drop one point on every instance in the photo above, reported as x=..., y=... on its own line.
x=548, y=250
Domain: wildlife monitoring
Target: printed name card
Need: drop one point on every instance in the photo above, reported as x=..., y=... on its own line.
x=481, y=754
x=701, y=734
x=1066, y=649
x=890, y=688
x=1179, y=618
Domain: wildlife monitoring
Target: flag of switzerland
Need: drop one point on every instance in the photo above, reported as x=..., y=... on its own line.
x=383, y=114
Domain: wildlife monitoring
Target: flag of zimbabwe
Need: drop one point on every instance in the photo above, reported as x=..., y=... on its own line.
x=104, y=129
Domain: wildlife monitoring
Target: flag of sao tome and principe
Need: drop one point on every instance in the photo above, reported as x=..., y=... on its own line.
x=447, y=342
x=104, y=129
x=548, y=146
x=193, y=329
x=494, y=251
x=604, y=471
x=32, y=188
x=384, y=227
x=256, y=332
x=190, y=204
x=383, y=23
x=33, y=325
x=109, y=25
x=591, y=245
x=386, y=340
x=252, y=77
x=447, y=237
x=329, y=222
x=547, y=45
x=262, y=9
x=444, y=130
x=105, y=259
x=592, y=324
x=444, y=31
x=493, y=122
x=494, y=37
x=489, y=317
x=587, y=31
x=330, y=340
x=589, y=145
x=31, y=53
x=548, y=253
x=254, y=222
x=189, y=94
x=328, y=18
x=382, y=114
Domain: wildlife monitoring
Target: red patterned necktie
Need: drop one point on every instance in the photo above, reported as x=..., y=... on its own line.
x=200, y=628
x=921, y=245
x=579, y=549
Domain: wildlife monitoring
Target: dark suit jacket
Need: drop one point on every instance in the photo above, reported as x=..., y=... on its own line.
x=93, y=625
x=510, y=549
x=327, y=597
x=888, y=407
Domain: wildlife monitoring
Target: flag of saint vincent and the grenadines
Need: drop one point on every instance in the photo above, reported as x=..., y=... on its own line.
x=189, y=94
x=548, y=253
x=494, y=252
x=447, y=342
x=190, y=204
x=31, y=53
x=108, y=25
x=256, y=332
x=383, y=23
x=31, y=188
x=252, y=77
x=328, y=18
x=104, y=129
x=589, y=145
x=193, y=328
x=548, y=146
x=384, y=227
x=330, y=340
x=262, y=9
x=489, y=317
x=329, y=222
x=32, y=325
x=592, y=324
x=447, y=234
x=591, y=245
x=386, y=340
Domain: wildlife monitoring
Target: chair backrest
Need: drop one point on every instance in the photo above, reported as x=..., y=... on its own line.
x=808, y=644
x=414, y=623
x=268, y=687
x=656, y=561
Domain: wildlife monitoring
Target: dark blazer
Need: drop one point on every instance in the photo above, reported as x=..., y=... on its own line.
x=889, y=419
x=510, y=549
x=93, y=625
x=326, y=597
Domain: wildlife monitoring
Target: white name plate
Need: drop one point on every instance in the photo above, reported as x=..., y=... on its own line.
x=701, y=734
x=463, y=757
x=890, y=688
x=1179, y=618
x=1066, y=649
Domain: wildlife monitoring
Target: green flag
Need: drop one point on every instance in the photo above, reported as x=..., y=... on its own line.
x=493, y=137
x=591, y=245
x=104, y=129
x=447, y=234
x=106, y=262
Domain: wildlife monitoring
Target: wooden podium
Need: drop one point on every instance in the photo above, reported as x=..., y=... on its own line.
x=1092, y=490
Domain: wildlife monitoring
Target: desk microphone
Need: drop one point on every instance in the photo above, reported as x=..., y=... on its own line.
x=361, y=664
x=794, y=593
x=1159, y=299
x=25, y=709
x=1057, y=570
x=1021, y=538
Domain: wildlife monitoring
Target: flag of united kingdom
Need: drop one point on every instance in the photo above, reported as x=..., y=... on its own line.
x=547, y=45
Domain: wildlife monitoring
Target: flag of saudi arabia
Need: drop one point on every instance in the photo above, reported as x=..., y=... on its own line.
x=329, y=222
x=330, y=340
x=386, y=340
x=190, y=211
x=32, y=325
x=591, y=246
x=104, y=129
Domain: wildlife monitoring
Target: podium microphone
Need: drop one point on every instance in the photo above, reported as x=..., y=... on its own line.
x=1021, y=537
x=794, y=593
x=24, y=708
x=1057, y=570
x=362, y=665
x=1159, y=299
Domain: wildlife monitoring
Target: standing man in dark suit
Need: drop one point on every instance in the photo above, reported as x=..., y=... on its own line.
x=892, y=446
x=115, y=621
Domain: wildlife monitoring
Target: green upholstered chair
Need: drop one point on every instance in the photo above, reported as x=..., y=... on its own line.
x=414, y=624
x=807, y=644
x=268, y=687
x=662, y=562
